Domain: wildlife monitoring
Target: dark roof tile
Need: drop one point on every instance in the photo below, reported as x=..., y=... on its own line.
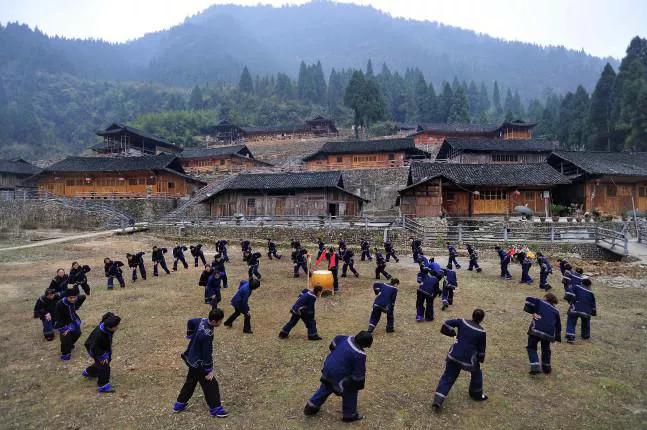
x=604, y=163
x=367, y=146
x=18, y=167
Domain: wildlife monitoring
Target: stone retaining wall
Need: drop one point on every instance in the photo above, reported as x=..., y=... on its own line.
x=32, y=214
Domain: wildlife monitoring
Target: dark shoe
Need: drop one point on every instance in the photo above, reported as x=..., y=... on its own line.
x=248, y=331
x=445, y=306
x=546, y=369
x=357, y=275
x=219, y=412
x=534, y=371
x=283, y=335
x=352, y=418
x=310, y=410
x=390, y=330
x=227, y=324
x=478, y=397
x=479, y=270
x=436, y=407
x=343, y=276
x=315, y=337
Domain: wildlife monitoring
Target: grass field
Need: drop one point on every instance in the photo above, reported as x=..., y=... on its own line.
x=265, y=381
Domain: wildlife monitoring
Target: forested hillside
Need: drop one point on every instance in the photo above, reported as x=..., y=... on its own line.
x=271, y=66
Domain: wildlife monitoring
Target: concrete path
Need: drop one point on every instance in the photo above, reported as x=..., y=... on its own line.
x=62, y=239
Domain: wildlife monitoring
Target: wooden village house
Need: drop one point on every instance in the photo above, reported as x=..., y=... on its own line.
x=118, y=177
x=283, y=194
x=364, y=154
x=122, y=140
x=488, y=150
x=466, y=190
x=231, y=158
x=612, y=182
x=226, y=132
x=435, y=134
x=13, y=174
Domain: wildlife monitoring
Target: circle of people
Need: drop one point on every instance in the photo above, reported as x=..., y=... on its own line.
x=344, y=368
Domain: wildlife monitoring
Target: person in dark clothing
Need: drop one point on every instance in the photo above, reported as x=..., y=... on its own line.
x=343, y=374
x=240, y=303
x=218, y=264
x=388, y=248
x=416, y=248
x=212, y=289
x=271, y=250
x=450, y=283
x=99, y=347
x=545, y=327
x=562, y=265
x=386, y=295
x=136, y=261
x=300, y=261
x=428, y=289
x=321, y=246
x=178, y=255
x=341, y=246
x=545, y=269
x=349, y=263
x=474, y=256
x=582, y=306
x=78, y=276
x=204, y=276
x=221, y=248
x=526, y=264
x=467, y=353
x=112, y=270
x=504, y=261
x=364, y=246
x=253, y=262
x=44, y=310
x=380, y=266
x=67, y=322
x=199, y=359
x=333, y=265
x=158, y=259
x=60, y=282
x=198, y=254
x=245, y=249
x=304, y=310
x=452, y=256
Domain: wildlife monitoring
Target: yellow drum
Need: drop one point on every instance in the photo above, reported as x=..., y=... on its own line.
x=531, y=255
x=322, y=278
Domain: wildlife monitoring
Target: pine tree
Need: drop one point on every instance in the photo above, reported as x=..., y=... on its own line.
x=302, y=81
x=432, y=104
x=573, y=119
x=284, y=87
x=535, y=111
x=508, y=106
x=369, y=69
x=246, y=85
x=496, y=103
x=517, y=107
x=600, y=113
x=421, y=98
x=637, y=139
x=473, y=98
x=445, y=101
x=335, y=94
x=196, y=101
x=459, y=112
x=363, y=97
x=484, y=104
x=319, y=84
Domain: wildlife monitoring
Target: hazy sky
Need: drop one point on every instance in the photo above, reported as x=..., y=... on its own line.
x=600, y=27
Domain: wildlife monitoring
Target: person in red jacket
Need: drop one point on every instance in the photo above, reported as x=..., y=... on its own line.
x=333, y=265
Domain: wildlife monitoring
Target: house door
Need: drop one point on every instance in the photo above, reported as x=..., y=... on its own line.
x=333, y=209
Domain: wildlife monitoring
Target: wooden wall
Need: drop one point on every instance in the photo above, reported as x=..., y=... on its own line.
x=132, y=184
x=10, y=181
x=424, y=200
x=219, y=164
x=310, y=203
x=511, y=134
x=358, y=161
x=499, y=158
x=613, y=196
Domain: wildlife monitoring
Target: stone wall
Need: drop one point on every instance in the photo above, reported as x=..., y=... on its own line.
x=144, y=209
x=380, y=186
x=32, y=214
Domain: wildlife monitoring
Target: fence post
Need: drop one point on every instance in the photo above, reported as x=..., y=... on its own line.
x=460, y=233
x=626, y=247
x=505, y=233
x=613, y=241
x=552, y=233
x=595, y=234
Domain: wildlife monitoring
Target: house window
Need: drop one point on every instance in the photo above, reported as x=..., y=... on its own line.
x=171, y=185
x=505, y=158
x=339, y=158
x=391, y=156
x=491, y=195
x=251, y=203
x=222, y=162
x=150, y=180
x=642, y=191
x=132, y=181
x=612, y=190
x=450, y=197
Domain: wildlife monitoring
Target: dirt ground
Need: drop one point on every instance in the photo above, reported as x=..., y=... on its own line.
x=600, y=384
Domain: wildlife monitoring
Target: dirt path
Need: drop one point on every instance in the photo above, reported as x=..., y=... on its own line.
x=62, y=239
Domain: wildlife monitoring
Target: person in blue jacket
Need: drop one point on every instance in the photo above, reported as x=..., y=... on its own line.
x=99, y=348
x=253, y=261
x=452, y=256
x=504, y=261
x=199, y=358
x=300, y=261
x=562, y=265
x=450, y=283
x=136, y=261
x=364, y=246
x=221, y=248
x=545, y=327
x=386, y=295
x=473, y=256
x=545, y=269
x=212, y=289
x=428, y=289
x=388, y=249
x=272, y=251
x=304, y=309
x=241, y=305
x=380, y=266
x=416, y=248
x=343, y=374
x=198, y=254
x=157, y=256
x=44, y=310
x=349, y=262
x=526, y=264
x=581, y=306
x=178, y=255
x=218, y=265
x=67, y=321
x=112, y=270
x=467, y=353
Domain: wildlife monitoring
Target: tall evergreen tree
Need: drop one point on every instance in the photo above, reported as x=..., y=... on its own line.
x=319, y=84
x=535, y=111
x=302, y=81
x=246, y=85
x=497, y=109
x=484, y=105
x=369, y=69
x=335, y=94
x=284, y=87
x=363, y=97
x=421, y=98
x=459, y=112
x=445, y=101
x=637, y=139
x=473, y=98
x=196, y=101
x=600, y=113
x=508, y=106
x=573, y=120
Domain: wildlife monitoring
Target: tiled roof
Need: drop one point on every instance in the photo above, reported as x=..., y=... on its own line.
x=497, y=145
x=367, y=146
x=18, y=167
x=603, y=163
x=117, y=128
x=215, y=151
x=505, y=175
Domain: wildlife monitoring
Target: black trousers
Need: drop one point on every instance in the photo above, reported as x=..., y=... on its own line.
x=247, y=325
x=100, y=371
x=210, y=389
x=68, y=341
x=381, y=270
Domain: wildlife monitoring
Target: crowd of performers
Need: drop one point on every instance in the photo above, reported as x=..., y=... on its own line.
x=344, y=369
